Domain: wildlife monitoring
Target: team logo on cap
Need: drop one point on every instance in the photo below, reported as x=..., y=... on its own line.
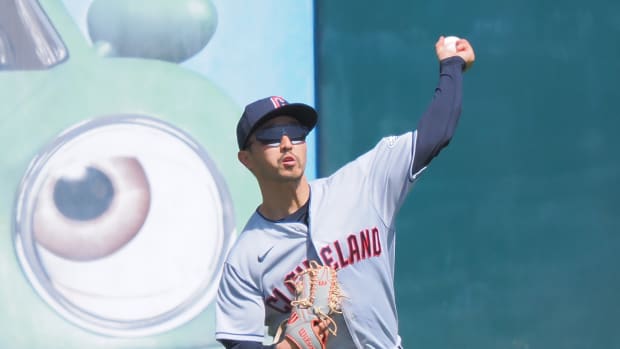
x=278, y=101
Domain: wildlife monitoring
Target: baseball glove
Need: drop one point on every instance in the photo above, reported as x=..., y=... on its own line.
x=318, y=297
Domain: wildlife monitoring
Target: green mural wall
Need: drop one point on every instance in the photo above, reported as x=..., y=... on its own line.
x=510, y=239
x=120, y=188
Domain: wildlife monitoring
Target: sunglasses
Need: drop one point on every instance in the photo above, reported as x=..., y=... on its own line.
x=272, y=136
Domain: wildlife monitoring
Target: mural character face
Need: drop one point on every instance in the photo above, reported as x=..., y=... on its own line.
x=116, y=213
x=121, y=190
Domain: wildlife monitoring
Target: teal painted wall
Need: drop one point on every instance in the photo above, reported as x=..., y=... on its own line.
x=511, y=237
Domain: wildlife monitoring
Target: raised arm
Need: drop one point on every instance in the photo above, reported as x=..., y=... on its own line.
x=436, y=126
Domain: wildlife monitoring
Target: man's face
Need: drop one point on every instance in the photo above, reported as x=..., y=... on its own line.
x=277, y=150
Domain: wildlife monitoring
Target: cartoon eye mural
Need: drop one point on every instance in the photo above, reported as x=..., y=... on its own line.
x=121, y=223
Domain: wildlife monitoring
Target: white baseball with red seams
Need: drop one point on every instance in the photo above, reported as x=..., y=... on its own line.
x=449, y=42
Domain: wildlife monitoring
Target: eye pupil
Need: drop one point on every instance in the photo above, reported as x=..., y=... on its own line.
x=84, y=198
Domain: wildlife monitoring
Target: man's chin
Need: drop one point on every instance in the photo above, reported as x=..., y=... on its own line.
x=292, y=176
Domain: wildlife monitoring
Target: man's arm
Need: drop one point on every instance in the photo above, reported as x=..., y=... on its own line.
x=239, y=309
x=436, y=126
x=230, y=344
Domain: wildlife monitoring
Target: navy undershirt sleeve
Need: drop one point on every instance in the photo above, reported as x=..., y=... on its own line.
x=437, y=124
x=230, y=344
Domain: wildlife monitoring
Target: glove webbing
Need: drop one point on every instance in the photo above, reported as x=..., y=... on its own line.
x=307, y=303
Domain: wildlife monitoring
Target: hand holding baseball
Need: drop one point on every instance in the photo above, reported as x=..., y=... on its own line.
x=446, y=47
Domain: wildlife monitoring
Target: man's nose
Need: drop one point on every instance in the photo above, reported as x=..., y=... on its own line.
x=285, y=142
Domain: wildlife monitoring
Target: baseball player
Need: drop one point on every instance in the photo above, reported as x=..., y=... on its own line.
x=345, y=221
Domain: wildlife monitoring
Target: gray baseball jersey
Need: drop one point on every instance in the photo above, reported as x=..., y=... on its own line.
x=351, y=228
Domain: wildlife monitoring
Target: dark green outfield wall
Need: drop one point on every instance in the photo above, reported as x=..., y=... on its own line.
x=511, y=238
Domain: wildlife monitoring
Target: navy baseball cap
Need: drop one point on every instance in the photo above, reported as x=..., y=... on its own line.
x=258, y=112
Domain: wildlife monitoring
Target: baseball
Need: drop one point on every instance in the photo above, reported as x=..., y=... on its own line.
x=449, y=42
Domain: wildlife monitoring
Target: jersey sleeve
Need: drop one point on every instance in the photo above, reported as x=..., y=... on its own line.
x=387, y=172
x=396, y=162
x=240, y=310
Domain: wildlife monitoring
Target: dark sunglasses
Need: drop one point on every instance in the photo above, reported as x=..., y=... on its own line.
x=272, y=136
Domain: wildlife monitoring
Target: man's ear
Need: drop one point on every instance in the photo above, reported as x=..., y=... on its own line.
x=244, y=158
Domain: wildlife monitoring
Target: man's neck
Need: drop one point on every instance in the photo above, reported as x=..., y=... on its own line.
x=282, y=199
